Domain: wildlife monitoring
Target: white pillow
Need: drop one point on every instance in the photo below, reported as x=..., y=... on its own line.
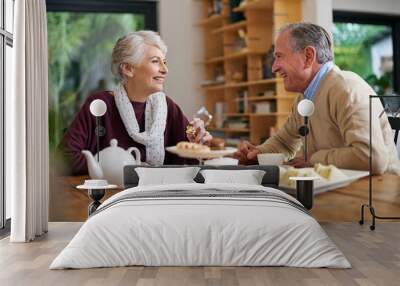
x=164, y=176
x=249, y=177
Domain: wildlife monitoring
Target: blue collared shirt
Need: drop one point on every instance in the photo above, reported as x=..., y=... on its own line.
x=314, y=84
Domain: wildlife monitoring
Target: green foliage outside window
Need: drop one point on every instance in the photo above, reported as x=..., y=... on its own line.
x=352, y=50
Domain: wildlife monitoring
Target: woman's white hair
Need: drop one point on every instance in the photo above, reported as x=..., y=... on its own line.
x=131, y=47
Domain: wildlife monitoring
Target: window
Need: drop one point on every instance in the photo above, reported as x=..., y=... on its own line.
x=368, y=44
x=6, y=60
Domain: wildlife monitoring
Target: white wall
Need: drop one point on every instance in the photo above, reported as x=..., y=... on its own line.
x=318, y=12
x=370, y=6
x=185, y=46
x=384, y=48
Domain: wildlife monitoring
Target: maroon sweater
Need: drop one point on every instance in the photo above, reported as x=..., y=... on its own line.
x=81, y=134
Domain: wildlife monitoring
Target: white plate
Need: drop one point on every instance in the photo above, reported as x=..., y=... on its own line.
x=85, y=187
x=352, y=176
x=201, y=155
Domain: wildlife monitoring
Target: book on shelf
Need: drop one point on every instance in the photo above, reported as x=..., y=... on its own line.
x=219, y=110
x=266, y=93
x=236, y=123
x=264, y=107
x=242, y=101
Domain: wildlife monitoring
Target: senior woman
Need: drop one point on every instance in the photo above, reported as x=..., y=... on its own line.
x=138, y=113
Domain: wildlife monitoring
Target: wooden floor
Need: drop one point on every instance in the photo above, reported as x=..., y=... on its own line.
x=70, y=204
x=374, y=255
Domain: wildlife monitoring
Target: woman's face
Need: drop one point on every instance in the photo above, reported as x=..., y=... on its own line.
x=150, y=74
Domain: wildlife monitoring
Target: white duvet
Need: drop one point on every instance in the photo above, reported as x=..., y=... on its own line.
x=185, y=231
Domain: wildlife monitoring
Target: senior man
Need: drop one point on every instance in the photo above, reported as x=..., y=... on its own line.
x=338, y=128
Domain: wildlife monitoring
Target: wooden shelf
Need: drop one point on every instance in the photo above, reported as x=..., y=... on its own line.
x=269, y=114
x=256, y=114
x=224, y=56
x=269, y=97
x=244, y=84
x=214, y=87
x=212, y=20
x=254, y=5
x=233, y=56
x=238, y=130
x=236, y=114
x=230, y=27
x=242, y=54
x=254, y=82
x=215, y=60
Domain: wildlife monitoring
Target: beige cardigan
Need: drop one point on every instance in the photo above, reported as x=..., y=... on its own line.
x=339, y=127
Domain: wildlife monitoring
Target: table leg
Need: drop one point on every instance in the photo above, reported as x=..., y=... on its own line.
x=96, y=195
x=305, y=192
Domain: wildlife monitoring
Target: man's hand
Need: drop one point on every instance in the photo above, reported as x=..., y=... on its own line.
x=299, y=162
x=246, y=153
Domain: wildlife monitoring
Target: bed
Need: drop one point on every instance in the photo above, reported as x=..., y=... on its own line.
x=201, y=224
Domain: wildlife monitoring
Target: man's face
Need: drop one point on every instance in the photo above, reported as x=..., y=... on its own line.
x=290, y=65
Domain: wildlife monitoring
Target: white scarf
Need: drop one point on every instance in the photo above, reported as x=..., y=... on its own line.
x=155, y=121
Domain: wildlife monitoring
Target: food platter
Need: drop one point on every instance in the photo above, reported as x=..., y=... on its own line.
x=323, y=185
x=209, y=154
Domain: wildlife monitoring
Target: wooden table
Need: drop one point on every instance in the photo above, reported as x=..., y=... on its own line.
x=67, y=203
x=344, y=204
x=70, y=204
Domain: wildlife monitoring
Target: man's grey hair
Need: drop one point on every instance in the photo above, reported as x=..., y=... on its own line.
x=307, y=34
x=131, y=48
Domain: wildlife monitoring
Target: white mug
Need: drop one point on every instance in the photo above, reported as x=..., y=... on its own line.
x=221, y=161
x=274, y=159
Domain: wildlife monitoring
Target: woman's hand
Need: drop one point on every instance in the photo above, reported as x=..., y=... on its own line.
x=198, y=133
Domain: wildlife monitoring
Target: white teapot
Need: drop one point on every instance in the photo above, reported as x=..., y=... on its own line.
x=111, y=163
